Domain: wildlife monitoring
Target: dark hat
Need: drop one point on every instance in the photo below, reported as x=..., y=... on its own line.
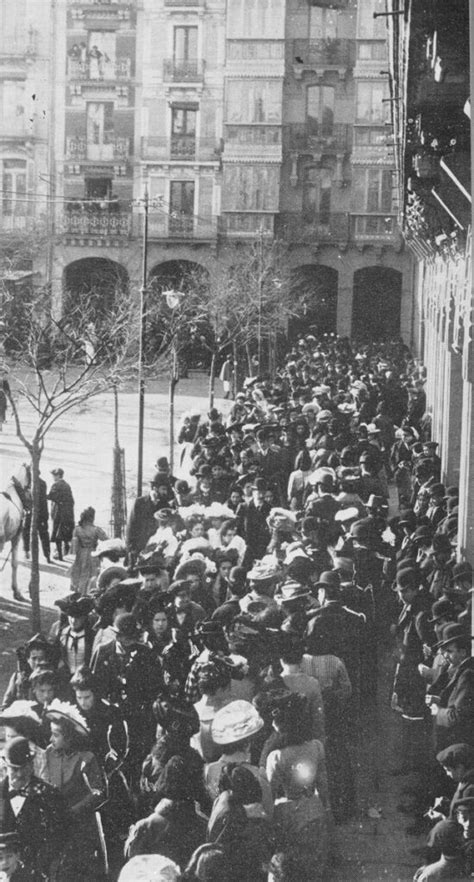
x=300, y=569
x=127, y=626
x=408, y=517
x=157, y=565
x=162, y=463
x=329, y=578
x=83, y=678
x=106, y=576
x=436, y=490
x=117, y=595
x=10, y=841
x=446, y=837
x=209, y=628
x=407, y=578
x=360, y=532
x=58, y=473
x=177, y=586
x=237, y=576
x=176, y=716
x=175, y=782
x=423, y=534
x=260, y=484
x=160, y=478
x=457, y=754
x=17, y=752
x=441, y=609
x=432, y=445
x=375, y=501
x=75, y=604
x=454, y=632
x=462, y=571
x=182, y=486
x=38, y=641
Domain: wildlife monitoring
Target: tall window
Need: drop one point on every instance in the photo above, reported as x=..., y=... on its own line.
x=101, y=50
x=183, y=131
x=253, y=101
x=13, y=26
x=317, y=195
x=14, y=187
x=181, y=207
x=264, y=19
x=373, y=190
x=185, y=44
x=322, y=24
x=100, y=130
x=368, y=27
x=371, y=107
x=320, y=110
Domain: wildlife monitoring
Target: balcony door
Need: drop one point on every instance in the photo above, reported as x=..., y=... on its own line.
x=181, y=219
x=185, y=51
x=183, y=132
x=100, y=131
x=14, y=201
x=101, y=51
x=320, y=111
x=317, y=196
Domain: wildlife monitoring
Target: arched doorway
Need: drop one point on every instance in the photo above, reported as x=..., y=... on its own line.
x=315, y=296
x=377, y=303
x=95, y=282
x=195, y=331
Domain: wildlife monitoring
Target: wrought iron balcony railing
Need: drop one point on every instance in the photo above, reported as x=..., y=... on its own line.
x=315, y=54
x=100, y=69
x=303, y=138
x=181, y=226
x=179, y=70
x=246, y=223
x=311, y=227
x=88, y=219
x=79, y=149
x=185, y=147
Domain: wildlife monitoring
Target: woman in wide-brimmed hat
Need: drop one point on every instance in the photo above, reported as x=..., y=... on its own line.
x=75, y=771
x=21, y=720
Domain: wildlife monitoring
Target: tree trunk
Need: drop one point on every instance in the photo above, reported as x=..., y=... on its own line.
x=236, y=375
x=174, y=379
x=212, y=380
x=35, y=572
x=118, y=483
x=249, y=360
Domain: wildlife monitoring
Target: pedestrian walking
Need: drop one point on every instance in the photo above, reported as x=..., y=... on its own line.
x=62, y=513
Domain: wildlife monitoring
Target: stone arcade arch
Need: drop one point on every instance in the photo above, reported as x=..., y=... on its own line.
x=95, y=280
x=180, y=275
x=376, y=306
x=315, y=287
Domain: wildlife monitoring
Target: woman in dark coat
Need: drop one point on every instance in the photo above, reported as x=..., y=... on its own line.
x=62, y=513
x=174, y=829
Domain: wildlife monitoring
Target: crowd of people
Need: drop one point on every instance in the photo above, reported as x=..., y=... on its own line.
x=196, y=708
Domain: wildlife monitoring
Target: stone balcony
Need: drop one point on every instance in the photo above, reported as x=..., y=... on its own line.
x=319, y=56
x=99, y=71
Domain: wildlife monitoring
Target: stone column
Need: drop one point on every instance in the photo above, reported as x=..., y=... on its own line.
x=452, y=419
x=344, y=302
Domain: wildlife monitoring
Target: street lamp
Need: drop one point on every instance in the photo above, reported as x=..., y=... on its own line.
x=146, y=203
x=173, y=300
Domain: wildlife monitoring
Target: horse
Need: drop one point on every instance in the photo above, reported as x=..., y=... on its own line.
x=13, y=502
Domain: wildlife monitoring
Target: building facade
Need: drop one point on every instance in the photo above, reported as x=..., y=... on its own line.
x=236, y=119
x=432, y=75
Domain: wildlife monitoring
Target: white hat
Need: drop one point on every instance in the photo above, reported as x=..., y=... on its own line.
x=144, y=867
x=346, y=514
x=235, y=722
x=107, y=545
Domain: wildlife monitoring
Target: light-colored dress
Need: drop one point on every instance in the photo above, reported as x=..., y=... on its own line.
x=302, y=814
x=85, y=567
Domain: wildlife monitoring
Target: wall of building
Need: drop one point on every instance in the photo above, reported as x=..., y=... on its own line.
x=238, y=119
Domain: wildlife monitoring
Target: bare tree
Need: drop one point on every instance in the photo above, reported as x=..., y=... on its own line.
x=63, y=363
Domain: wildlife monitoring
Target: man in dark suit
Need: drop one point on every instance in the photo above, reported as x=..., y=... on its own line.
x=43, y=517
x=333, y=629
x=128, y=675
x=33, y=810
x=252, y=521
x=62, y=513
x=141, y=521
x=454, y=709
